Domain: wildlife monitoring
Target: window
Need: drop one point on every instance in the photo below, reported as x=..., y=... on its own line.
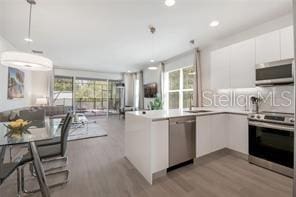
x=63, y=91
x=180, y=91
x=91, y=95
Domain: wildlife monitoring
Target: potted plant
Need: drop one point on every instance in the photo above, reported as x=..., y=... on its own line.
x=156, y=104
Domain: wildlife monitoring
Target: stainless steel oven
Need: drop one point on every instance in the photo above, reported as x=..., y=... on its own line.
x=271, y=142
x=278, y=72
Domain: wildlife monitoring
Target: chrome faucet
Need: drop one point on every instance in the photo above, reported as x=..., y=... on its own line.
x=190, y=103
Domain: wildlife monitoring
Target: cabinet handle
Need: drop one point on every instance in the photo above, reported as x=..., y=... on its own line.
x=185, y=122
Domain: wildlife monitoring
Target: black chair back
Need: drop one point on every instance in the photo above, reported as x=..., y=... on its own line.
x=2, y=154
x=64, y=134
x=64, y=120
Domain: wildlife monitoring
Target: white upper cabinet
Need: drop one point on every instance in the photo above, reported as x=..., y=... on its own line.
x=242, y=64
x=268, y=47
x=220, y=78
x=287, y=43
x=234, y=66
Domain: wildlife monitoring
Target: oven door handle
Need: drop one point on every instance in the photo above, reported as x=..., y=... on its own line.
x=272, y=126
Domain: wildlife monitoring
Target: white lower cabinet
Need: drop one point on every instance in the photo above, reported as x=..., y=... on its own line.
x=160, y=145
x=210, y=133
x=237, y=133
x=218, y=134
x=203, y=135
x=215, y=132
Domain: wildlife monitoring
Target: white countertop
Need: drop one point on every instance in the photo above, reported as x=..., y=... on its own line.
x=173, y=113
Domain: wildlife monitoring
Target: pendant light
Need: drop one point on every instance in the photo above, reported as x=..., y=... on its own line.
x=152, y=30
x=28, y=61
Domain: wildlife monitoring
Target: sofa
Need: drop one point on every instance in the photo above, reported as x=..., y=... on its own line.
x=50, y=111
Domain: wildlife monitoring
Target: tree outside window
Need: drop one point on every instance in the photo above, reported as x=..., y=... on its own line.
x=181, y=84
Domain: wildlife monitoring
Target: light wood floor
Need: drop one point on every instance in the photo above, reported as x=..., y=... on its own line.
x=98, y=168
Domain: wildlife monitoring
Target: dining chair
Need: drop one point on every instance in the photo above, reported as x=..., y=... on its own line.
x=6, y=169
x=48, y=152
x=36, y=116
x=56, y=140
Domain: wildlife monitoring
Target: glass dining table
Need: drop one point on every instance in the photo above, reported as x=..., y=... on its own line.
x=40, y=130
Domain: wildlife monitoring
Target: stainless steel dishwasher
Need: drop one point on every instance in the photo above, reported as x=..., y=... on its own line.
x=182, y=141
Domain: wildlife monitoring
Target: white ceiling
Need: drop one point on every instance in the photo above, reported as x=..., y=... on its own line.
x=113, y=36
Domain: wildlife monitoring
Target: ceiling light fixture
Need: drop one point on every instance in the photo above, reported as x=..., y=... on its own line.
x=23, y=60
x=26, y=61
x=214, y=23
x=170, y=3
x=28, y=40
x=152, y=68
x=152, y=30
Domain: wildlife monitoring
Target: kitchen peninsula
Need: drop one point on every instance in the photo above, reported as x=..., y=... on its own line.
x=147, y=136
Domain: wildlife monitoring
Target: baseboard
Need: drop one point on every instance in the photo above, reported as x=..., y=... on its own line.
x=237, y=154
x=218, y=154
x=159, y=174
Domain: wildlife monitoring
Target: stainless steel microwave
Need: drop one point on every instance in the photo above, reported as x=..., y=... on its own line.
x=273, y=73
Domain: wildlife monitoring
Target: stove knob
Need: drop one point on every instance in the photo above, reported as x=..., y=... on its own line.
x=292, y=120
x=258, y=116
x=252, y=116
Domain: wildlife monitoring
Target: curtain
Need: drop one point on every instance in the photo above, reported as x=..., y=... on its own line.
x=141, y=90
x=197, y=88
x=161, y=85
x=50, y=86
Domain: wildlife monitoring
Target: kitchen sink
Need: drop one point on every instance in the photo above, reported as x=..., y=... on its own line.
x=198, y=111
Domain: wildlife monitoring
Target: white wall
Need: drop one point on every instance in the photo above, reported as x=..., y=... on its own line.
x=40, y=85
x=7, y=104
x=251, y=33
x=129, y=89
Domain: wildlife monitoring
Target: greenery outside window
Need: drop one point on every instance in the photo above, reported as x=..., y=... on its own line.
x=180, y=91
x=63, y=91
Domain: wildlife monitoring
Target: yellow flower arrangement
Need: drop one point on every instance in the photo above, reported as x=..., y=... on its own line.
x=19, y=123
x=18, y=126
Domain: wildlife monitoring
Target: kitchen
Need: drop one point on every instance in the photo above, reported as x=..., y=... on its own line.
x=246, y=108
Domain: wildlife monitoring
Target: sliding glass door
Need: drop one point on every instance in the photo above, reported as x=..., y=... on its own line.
x=113, y=97
x=88, y=96
x=91, y=96
x=63, y=91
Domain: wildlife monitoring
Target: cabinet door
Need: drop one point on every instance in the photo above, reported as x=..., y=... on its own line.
x=287, y=43
x=218, y=134
x=220, y=68
x=160, y=145
x=203, y=135
x=237, y=133
x=242, y=64
x=268, y=47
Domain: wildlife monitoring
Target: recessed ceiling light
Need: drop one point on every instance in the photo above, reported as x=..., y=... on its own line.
x=170, y=3
x=129, y=71
x=214, y=23
x=152, y=61
x=28, y=40
x=152, y=68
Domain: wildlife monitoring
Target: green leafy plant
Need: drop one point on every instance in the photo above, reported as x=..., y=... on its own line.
x=156, y=104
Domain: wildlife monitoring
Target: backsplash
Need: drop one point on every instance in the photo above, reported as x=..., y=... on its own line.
x=276, y=98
